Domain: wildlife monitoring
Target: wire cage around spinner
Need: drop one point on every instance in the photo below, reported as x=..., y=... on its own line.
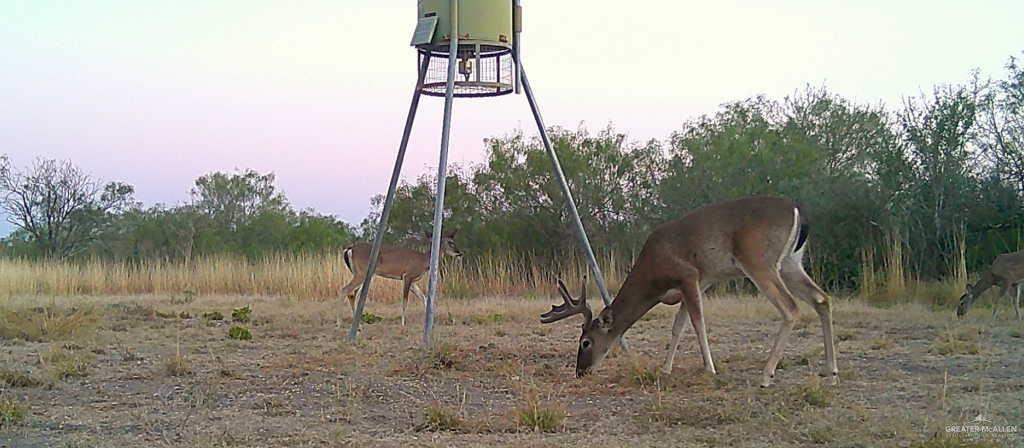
x=482, y=71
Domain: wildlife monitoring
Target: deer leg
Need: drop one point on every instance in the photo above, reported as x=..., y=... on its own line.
x=801, y=285
x=406, y=285
x=693, y=306
x=771, y=285
x=1003, y=292
x=349, y=291
x=419, y=293
x=677, y=332
x=1016, y=302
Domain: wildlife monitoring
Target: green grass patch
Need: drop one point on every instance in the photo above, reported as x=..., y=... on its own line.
x=439, y=418
x=881, y=344
x=370, y=318
x=11, y=413
x=166, y=315
x=239, y=333
x=643, y=374
x=11, y=378
x=242, y=315
x=64, y=363
x=213, y=315
x=540, y=416
x=816, y=395
x=493, y=318
x=954, y=441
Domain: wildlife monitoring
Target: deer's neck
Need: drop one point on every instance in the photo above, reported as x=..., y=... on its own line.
x=635, y=298
x=986, y=281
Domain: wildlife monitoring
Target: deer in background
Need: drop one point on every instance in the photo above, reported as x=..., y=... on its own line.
x=1006, y=271
x=396, y=263
x=760, y=238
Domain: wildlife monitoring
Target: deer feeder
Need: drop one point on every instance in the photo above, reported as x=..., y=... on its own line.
x=466, y=49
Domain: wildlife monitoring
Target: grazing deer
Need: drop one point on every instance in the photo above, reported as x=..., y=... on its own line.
x=761, y=238
x=396, y=263
x=1007, y=270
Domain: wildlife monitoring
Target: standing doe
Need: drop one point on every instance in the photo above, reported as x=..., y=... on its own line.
x=396, y=263
x=760, y=238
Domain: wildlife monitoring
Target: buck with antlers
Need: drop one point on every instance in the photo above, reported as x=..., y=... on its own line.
x=396, y=263
x=761, y=238
x=1006, y=271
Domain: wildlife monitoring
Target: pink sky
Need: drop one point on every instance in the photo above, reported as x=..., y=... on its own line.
x=158, y=93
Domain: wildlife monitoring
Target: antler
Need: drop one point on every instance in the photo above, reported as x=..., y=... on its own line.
x=570, y=307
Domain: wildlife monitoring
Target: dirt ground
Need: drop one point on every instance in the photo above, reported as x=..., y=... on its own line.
x=153, y=371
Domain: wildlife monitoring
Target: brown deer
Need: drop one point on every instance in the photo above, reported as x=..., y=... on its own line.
x=396, y=263
x=760, y=238
x=1006, y=271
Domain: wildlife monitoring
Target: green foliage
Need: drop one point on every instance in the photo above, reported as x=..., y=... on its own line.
x=64, y=363
x=243, y=314
x=944, y=171
x=14, y=378
x=540, y=416
x=11, y=412
x=441, y=419
x=239, y=333
x=370, y=318
x=815, y=394
x=213, y=315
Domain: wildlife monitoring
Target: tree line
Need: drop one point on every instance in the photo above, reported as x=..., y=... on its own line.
x=944, y=171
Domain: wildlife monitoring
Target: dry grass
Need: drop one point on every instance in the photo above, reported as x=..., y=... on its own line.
x=496, y=377
x=17, y=378
x=46, y=323
x=440, y=418
x=317, y=276
x=957, y=341
x=67, y=362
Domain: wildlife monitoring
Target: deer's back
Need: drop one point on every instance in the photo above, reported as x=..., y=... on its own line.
x=394, y=261
x=710, y=237
x=1009, y=266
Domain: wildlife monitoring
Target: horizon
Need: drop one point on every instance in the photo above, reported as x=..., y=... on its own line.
x=121, y=88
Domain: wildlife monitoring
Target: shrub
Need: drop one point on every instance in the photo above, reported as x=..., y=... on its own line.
x=242, y=314
x=213, y=315
x=239, y=333
x=370, y=318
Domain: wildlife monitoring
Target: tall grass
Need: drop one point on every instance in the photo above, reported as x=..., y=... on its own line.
x=305, y=276
x=888, y=281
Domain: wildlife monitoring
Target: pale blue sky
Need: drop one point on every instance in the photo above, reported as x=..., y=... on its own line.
x=156, y=93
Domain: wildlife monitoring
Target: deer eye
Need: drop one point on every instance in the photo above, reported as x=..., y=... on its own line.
x=585, y=344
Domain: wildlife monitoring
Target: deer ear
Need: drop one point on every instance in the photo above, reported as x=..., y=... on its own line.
x=604, y=321
x=451, y=233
